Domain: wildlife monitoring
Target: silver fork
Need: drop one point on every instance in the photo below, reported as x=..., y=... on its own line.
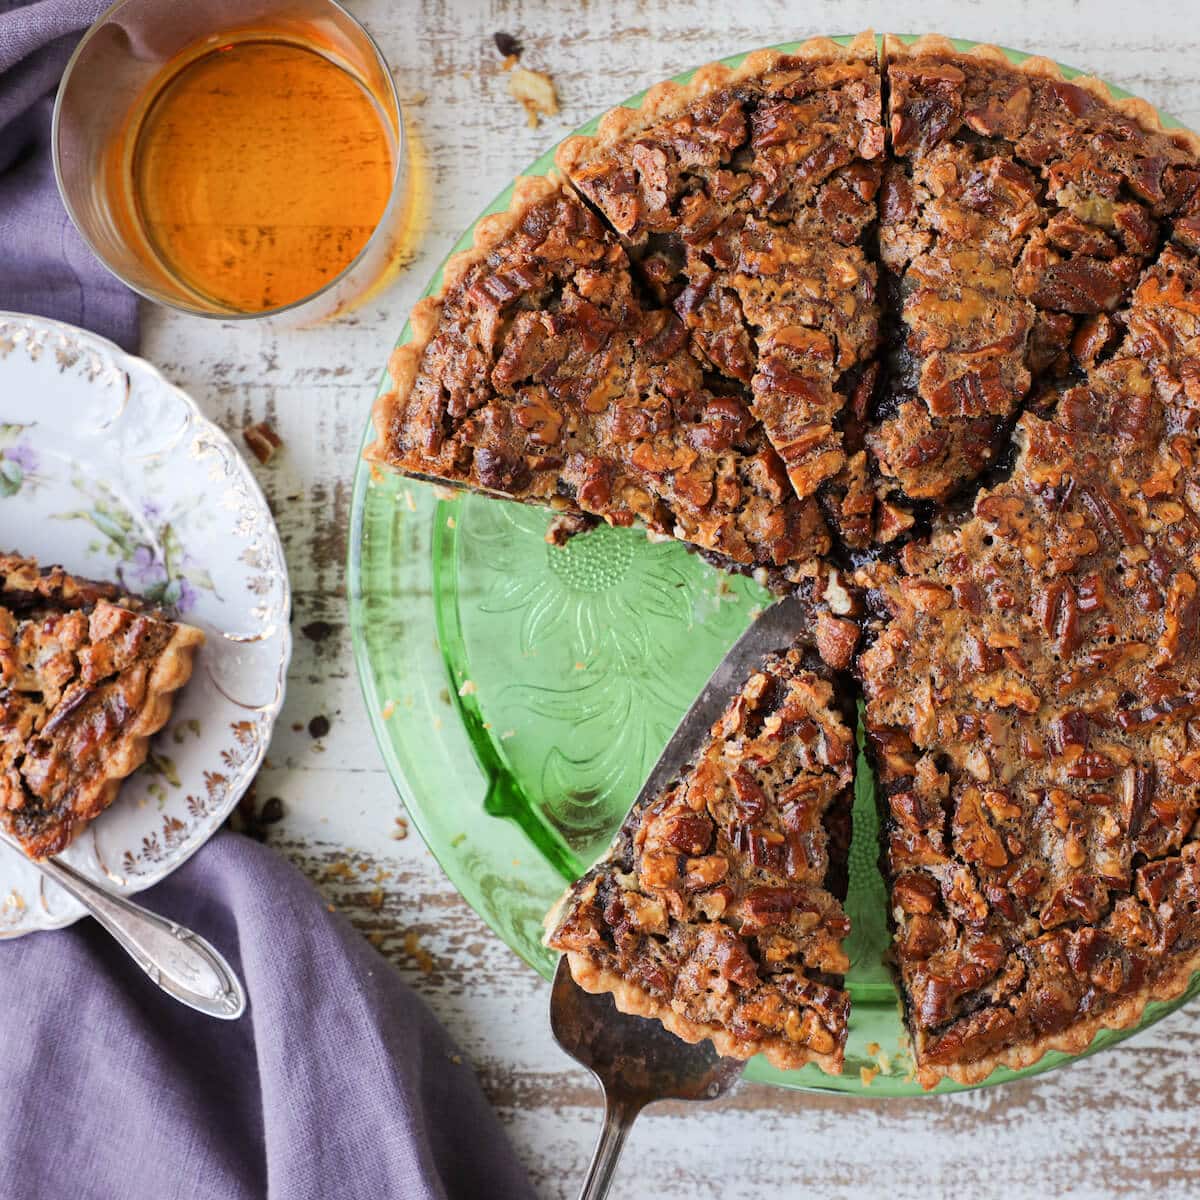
x=181, y=962
x=635, y=1061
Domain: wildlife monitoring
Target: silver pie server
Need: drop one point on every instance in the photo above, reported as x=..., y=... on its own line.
x=181, y=962
x=636, y=1061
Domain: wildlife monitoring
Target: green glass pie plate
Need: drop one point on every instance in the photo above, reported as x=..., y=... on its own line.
x=520, y=694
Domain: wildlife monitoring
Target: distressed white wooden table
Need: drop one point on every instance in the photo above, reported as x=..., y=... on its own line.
x=1121, y=1124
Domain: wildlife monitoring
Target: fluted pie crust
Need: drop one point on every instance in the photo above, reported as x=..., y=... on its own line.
x=897, y=49
x=425, y=317
x=989, y=427
x=637, y=1002
x=87, y=677
x=667, y=100
x=1125, y=1015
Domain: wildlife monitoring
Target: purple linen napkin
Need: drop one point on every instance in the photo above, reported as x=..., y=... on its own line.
x=45, y=266
x=337, y=1083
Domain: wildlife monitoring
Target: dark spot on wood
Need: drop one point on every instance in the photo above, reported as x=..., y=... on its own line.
x=318, y=727
x=509, y=46
x=272, y=811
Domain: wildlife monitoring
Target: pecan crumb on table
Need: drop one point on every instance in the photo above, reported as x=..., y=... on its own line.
x=262, y=440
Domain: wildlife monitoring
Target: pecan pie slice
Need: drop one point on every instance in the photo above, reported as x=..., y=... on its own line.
x=1033, y=708
x=745, y=197
x=715, y=909
x=539, y=374
x=1017, y=211
x=86, y=676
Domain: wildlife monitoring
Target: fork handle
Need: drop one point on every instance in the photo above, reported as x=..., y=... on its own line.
x=181, y=962
x=618, y=1121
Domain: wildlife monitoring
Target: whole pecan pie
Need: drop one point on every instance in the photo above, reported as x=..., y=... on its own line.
x=86, y=676
x=918, y=330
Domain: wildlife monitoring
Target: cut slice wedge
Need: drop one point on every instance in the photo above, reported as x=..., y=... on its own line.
x=538, y=374
x=715, y=910
x=1018, y=211
x=86, y=676
x=746, y=197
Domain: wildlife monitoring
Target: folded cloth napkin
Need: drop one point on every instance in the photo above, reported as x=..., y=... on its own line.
x=45, y=266
x=338, y=1082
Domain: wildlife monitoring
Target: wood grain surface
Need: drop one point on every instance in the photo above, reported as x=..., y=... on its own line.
x=1122, y=1124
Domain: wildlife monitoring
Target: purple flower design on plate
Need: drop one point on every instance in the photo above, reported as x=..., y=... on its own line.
x=18, y=463
x=159, y=585
x=186, y=599
x=146, y=567
x=24, y=455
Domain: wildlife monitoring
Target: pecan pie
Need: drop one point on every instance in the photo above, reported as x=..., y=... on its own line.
x=86, y=676
x=746, y=198
x=938, y=361
x=714, y=910
x=539, y=374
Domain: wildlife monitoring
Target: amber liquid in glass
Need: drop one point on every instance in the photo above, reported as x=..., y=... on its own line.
x=260, y=170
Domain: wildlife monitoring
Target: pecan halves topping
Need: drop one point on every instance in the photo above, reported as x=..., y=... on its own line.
x=714, y=901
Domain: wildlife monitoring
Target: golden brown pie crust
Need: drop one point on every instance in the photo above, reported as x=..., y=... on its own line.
x=629, y=998
x=895, y=49
x=490, y=231
x=669, y=99
x=1070, y=1041
x=172, y=670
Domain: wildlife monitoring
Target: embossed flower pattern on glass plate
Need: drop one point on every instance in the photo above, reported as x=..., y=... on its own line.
x=582, y=660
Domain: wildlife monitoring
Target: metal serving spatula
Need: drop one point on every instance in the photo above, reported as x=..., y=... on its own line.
x=635, y=1060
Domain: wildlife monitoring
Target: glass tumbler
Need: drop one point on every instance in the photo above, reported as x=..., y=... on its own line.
x=122, y=68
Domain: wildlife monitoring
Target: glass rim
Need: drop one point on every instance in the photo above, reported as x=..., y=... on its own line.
x=398, y=175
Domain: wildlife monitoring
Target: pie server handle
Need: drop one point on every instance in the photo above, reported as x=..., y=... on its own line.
x=618, y=1120
x=181, y=962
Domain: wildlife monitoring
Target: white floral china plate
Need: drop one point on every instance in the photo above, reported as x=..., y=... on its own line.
x=112, y=472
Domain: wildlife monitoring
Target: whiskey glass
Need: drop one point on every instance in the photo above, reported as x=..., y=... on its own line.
x=126, y=61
